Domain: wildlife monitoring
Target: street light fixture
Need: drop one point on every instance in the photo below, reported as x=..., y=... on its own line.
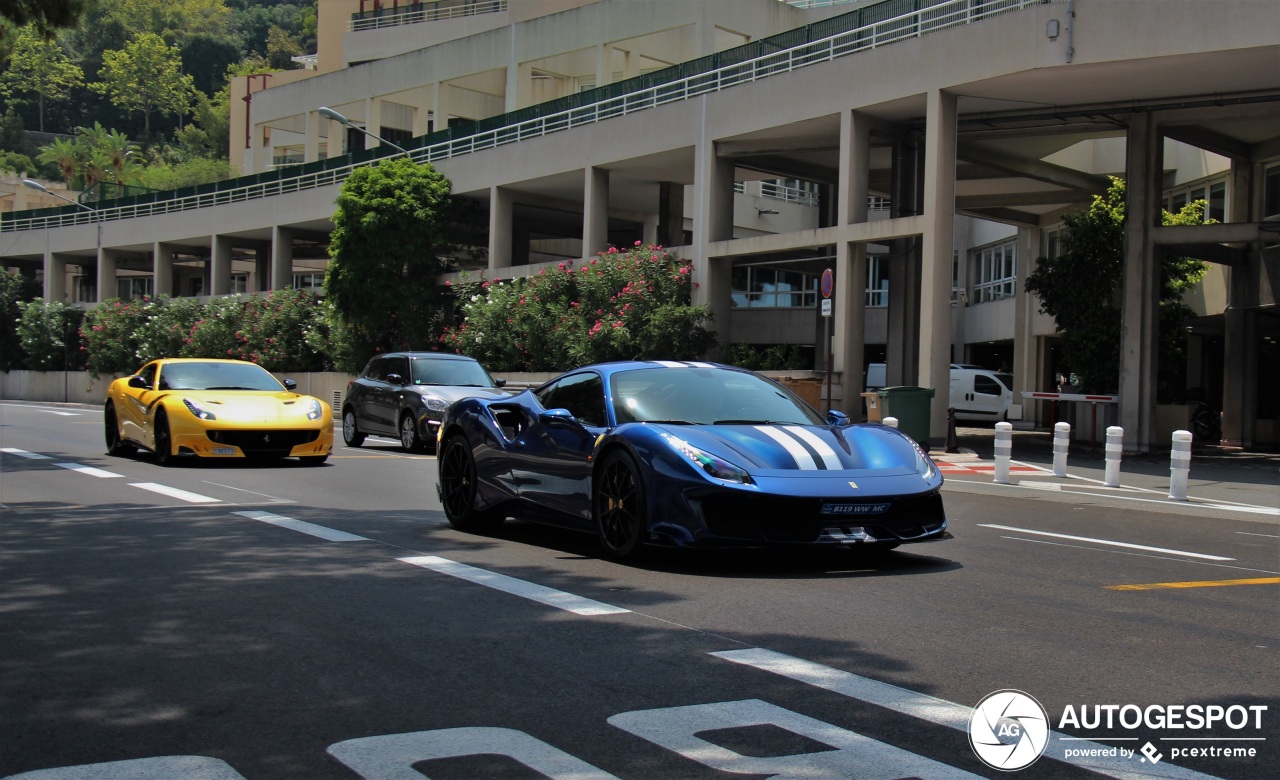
x=329, y=113
x=66, y=342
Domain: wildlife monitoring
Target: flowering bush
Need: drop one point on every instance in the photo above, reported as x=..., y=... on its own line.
x=286, y=330
x=47, y=333
x=620, y=305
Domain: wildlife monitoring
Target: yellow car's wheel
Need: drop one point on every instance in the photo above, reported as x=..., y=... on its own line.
x=164, y=441
x=111, y=428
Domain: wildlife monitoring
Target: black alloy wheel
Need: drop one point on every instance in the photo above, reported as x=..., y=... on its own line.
x=458, y=488
x=164, y=441
x=350, y=430
x=111, y=428
x=619, y=506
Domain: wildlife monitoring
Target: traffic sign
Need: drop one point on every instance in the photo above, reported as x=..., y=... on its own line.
x=826, y=307
x=828, y=283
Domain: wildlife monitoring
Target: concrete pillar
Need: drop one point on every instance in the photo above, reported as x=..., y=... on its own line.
x=670, y=227
x=372, y=122
x=900, y=346
x=55, y=277
x=850, y=304
x=1240, y=333
x=936, y=257
x=595, y=211
x=1140, y=293
x=106, y=271
x=519, y=85
x=336, y=133
x=501, y=212
x=220, y=266
x=311, y=130
x=281, y=258
x=604, y=64
x=261, y=149
x=649, y=233
x=713, y=221
x=162, y=268
x=1025, y=307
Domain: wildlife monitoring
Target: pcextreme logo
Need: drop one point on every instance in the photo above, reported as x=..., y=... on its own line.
x=1008, y=730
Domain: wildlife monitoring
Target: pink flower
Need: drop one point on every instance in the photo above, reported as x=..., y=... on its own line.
x=637, y=243
x=448, y=283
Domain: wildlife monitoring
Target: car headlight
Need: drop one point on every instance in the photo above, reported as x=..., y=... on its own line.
x=314, y=409
x=713, y=465
x=436, y=404
x=924, y=465
x=198, y=410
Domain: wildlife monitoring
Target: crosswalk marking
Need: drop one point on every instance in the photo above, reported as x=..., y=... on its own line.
x=24, y=453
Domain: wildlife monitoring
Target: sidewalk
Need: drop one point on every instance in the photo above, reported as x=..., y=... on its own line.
x=1217, y=473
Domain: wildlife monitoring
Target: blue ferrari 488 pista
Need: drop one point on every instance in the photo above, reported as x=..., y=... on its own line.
x=687, y=454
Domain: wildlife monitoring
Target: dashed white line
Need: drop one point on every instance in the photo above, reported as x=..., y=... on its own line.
x=90, y=470
x=24, y=453
x=302, y=526
x=544, y=595
x=172, y=492
x=1107, y=542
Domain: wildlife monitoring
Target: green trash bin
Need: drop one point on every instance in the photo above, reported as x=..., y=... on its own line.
x=911, y=405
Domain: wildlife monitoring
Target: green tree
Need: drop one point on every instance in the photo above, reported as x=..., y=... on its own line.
x=388, y=246
x=44, y=15
x=64, y=153
x=39, y=66
x=1080, y=289
x=146, y=76
x=281, y=49
x=15, y=289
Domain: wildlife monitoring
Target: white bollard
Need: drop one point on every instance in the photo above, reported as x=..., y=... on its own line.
x=1003, y=451
x=1179, y=465
x=892, y=422
x=1061, y=443
x=1115, y=446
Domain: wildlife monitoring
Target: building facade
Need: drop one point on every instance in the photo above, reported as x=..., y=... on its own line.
x=925, y=150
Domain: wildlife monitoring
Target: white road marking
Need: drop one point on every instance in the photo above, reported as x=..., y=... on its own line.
x=60, y=414
x=302, y=526
x=1025, y=540
x=271, y=499
x=931, y=709
x=852, y=754
x=172, y=492
x=544, y=595
x=158, y=768
x=24, y=453
x=393, y=755
x=1107, y=542
x=1269, y=536
x=90, y=470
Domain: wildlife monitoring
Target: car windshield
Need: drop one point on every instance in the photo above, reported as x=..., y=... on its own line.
x=705, y=396
x=217, y=376
x=459, y=373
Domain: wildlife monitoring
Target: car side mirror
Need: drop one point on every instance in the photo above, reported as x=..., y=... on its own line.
x=138, y=383
x=837, y=419
x=559, y=418
x=395, y=379
x=500, y=382
x=291, y=385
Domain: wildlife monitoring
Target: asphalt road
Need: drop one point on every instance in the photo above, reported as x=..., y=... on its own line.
x=223, y=621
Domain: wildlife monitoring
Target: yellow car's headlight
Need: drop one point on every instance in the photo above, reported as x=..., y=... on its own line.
x=314, y=409
x=198, y=410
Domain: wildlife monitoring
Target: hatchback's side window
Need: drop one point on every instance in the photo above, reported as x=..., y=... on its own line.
x=987, y=385
x=398, y=366
x=582, y=394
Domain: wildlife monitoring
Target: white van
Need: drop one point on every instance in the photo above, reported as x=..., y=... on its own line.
x=976, y=393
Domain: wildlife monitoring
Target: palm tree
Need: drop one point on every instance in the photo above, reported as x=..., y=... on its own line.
x=63, y=153
x=124, y=155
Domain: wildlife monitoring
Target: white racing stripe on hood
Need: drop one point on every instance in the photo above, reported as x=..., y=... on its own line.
x=803, y=459
x=829, y=456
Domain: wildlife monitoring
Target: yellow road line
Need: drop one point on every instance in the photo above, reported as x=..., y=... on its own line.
x=1200, y=584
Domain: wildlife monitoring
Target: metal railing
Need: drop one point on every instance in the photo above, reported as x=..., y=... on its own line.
x=670, y=87
x=417, y=13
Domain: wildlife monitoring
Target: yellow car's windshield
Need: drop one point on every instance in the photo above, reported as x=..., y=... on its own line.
x=217, y=376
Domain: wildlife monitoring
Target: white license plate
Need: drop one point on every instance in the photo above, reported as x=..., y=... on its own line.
x=854, y=510
x=224, y=450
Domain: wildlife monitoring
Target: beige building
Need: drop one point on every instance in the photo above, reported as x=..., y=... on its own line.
x=924, y=151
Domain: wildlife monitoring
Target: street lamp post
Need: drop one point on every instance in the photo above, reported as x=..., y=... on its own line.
x=329, y=113
x=66, y=340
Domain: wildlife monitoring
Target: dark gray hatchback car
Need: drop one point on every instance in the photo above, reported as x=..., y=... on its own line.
x=404, y=395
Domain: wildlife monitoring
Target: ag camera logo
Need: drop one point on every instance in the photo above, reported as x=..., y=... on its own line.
x=1008, y=730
